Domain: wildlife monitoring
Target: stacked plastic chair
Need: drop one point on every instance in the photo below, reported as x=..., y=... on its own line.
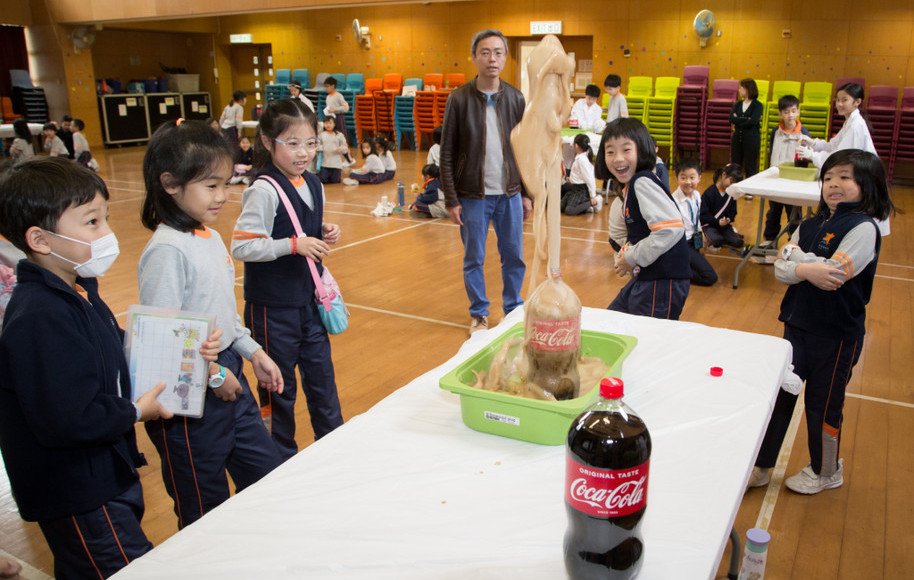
x=639, y=90
x=904, y=130
x=435, y=80
x=837, y=120
x=384, y=112
x=340, y=80
x=356, y=82
x=440, y=105
x=454, y=80
x=689, y=109
x=276, y=92
x=372, y=85
x=320, y=78
x=717, y=132
x=413, y=82
x=364, y=117
x=658, y=111
x=283, y=76
x=770, y=117
x=424, y=117
x=302, y=76
x=815, y=108
x=882, y=114
x=393, y=82
x=403, y=117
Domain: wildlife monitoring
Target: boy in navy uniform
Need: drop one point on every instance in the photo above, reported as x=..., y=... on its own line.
x=66, y=418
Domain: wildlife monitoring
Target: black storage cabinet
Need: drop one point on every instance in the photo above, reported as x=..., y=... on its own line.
x=124, y=118
x=162, y=108
x=196, y=106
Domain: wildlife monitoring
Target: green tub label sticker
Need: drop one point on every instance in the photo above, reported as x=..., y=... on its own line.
x=506, y=419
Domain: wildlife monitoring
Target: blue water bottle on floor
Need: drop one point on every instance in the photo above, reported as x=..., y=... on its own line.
x=401, y=195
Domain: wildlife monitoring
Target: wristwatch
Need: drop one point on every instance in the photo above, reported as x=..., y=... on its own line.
x=787, y=250
x=216, y=379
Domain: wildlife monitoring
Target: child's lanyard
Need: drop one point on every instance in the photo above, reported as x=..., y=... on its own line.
x=695, y=228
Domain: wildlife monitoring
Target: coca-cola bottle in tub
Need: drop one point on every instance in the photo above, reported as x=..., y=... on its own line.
x=552, y=337
x=607, y=462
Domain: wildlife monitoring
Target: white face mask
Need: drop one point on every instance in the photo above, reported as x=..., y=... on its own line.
x=104, y=252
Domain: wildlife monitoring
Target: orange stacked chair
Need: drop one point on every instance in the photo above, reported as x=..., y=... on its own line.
x=6, y=106
x=364, y=116
x=440, y=103
x=372, y=85
x=393, y=82
x=424, y=116
x=454, y=80
x=433, y=79
x=384, y=112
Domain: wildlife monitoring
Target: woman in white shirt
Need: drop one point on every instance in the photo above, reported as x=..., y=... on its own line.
x=579, y=192
x=232, y=118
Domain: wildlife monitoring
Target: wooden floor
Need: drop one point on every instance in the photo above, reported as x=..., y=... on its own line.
x=403, y=283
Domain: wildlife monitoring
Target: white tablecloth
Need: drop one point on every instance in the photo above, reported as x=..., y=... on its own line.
x=767, y=184
x=406, y=491
x=6, y=131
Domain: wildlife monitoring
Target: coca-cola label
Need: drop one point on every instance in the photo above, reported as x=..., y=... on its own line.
x=605, y=492
x=555, y=335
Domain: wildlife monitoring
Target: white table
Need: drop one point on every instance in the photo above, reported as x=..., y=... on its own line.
x=768, y=185
x=7, y=132
x=252, y=125
x=406, y=491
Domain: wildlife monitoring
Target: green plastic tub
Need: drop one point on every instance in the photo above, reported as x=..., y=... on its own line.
x=788, y=171
x=543, y=422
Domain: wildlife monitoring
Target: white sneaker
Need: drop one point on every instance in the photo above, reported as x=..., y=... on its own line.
x=479, y=323
x=349, y=181
x=246, y=180
x=760, y=477
x=808, y=483
x=235, y=180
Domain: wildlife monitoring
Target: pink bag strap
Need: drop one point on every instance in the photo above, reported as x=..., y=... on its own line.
x=322, y=293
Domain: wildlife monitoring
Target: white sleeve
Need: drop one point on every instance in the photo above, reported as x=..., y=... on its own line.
x=252, y=239
x=587, y=173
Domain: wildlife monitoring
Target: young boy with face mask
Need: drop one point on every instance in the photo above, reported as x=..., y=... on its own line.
x=66, y=415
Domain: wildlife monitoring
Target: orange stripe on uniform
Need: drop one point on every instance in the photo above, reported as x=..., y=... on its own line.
x=677, y=223
x=243, y=235
x=846, y=262
x=171, y=473
x=86, y=548
x=669, y=306
x=193, y=469
x=114, y=533
x=653, y=298
x=829, y=430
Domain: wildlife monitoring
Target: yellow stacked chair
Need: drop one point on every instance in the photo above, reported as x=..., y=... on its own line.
x=659, y=110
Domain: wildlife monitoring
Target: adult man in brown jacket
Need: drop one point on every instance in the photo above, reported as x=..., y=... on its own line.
x=479, y=176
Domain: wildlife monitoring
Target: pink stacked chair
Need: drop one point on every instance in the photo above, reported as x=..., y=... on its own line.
x=689, y=110
x=724, y=93
x=904, y=130
x=882, y=113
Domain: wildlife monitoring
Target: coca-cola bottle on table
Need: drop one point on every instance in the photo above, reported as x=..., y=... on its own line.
x=553, y=337
x=607, y=462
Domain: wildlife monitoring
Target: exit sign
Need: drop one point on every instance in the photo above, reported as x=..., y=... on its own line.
x=241, y=38
x=545, y=27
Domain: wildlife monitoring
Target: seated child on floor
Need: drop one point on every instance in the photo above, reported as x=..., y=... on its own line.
x=430, y=203
x=53, y=146
x=579, y=192
x=390, y=165
x=243, y=169
x=372, y=169
x=688, y=174
x=434, y=152
x=81, y=146
x=718, y=210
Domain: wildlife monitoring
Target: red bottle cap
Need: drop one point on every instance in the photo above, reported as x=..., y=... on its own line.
x=611, y=388
x=717, y=371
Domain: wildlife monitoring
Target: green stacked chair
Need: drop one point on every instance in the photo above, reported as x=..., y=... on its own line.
x=639, y=89
x=403, y=118
x=815, y=108
x=658, y=111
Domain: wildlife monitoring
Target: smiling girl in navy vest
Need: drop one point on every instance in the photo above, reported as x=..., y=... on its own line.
x=830, y=264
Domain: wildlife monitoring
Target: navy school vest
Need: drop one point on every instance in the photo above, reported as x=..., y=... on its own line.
x=832, y=314
x=286, y=281
x=674, y=263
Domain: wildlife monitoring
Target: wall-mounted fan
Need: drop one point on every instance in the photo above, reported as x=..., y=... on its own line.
x=704, y=26
x=82, y=37
x=362, y=34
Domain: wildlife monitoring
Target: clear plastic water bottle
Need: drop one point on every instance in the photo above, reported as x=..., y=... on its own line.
x=401, y=194
x=755, y=554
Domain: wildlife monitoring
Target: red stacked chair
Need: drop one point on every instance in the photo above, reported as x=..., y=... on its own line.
x=454, y=80
x=424, y=116
x=717, y=117
x=837, y=121
x=440, y=103
x=881, y=111
x=435, y=80
x=904, y=130
x=689, y=109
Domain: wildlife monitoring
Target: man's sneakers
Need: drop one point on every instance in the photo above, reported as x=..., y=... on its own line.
x=479, y=323
x=760, y=477
x=808, y=483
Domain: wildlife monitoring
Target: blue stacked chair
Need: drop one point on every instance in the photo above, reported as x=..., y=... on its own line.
x=356, y=82
x=283, y=76
x=413, y=82
x=403, y=117
x=340, y=80
x=302, y=76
